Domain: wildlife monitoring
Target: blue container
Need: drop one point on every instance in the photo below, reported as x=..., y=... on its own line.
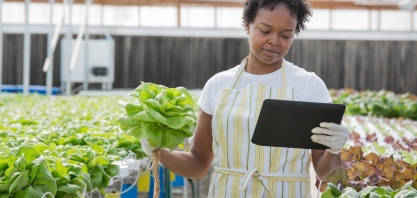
x=132, y=193
x=38, y=89
x=8, y=88
x=179, y=181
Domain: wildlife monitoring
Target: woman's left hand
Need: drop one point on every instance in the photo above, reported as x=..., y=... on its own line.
x=331, y=135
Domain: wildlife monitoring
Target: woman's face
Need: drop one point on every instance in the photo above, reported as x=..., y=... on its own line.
x=271, y=34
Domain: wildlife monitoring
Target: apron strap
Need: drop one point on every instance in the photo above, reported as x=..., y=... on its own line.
x=263, y=178
x=284, y=75
x=239, y=73
x=241, y=69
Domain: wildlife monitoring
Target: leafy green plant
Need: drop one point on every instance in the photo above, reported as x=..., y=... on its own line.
x=69, y=142
x=370, y=191
x=382, y=103
x=164, y=116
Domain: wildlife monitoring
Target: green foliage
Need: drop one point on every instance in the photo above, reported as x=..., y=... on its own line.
x=60, y=145
x=32, y=171
x=165, y=116
x=369, y=192
x=382, y=103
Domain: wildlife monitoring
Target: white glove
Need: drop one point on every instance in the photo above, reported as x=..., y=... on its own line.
x=331, y=135
x=148, y=149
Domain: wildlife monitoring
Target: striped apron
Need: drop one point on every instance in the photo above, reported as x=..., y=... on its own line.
x=243, y=169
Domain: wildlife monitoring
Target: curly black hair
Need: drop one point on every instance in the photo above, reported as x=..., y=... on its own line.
x=300, y=9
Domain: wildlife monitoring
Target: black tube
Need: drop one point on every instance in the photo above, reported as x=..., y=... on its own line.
x=193, y=190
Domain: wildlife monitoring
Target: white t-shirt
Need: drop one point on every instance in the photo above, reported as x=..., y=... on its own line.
x=307, y=85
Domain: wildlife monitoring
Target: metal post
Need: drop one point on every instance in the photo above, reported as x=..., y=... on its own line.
x=101, y=15
x=412, y=21
x=185, y=189
x=179, y=15
x=330, y=19
x=139, y=10
x=69, y=36
x=379, y=20
x=50, y=53
x=167, y=182
x=26, y=52
x=215, y=17
x=1, y=46
x=87, y=40
x=370, y=20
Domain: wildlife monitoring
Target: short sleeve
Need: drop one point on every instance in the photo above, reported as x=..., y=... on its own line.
x=317, y=90
x=207, y=95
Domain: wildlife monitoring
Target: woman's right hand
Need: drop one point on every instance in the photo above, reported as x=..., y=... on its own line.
x=148, y=149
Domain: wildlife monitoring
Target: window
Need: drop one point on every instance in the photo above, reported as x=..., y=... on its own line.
x=320, y=20
x=350, y=19
x=229, y=17
x=201, y=17
x=395, y=20
x=120, y=15
x=158, y=16
x=13, y=12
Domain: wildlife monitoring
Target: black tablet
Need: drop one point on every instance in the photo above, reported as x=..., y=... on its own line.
x=284, y=123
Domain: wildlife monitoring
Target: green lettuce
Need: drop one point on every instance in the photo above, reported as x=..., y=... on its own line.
x=407, y=191
x=165, y=116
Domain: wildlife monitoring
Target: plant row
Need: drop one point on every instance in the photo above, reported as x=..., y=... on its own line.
x=61, y=145
x=381, y=104
x=371, y=175
x=62, y=171
x=384, y=136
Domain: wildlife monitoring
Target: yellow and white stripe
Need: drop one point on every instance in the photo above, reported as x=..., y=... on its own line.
x=243, y=169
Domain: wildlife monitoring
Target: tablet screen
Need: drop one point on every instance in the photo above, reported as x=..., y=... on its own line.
x=284, y=123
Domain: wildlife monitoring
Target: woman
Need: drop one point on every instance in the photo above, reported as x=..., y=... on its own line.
x=229, y=107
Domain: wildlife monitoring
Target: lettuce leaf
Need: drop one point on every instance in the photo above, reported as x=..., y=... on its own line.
x=165, y=116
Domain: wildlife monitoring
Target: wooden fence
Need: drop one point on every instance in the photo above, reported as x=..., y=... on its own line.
x=190, y=62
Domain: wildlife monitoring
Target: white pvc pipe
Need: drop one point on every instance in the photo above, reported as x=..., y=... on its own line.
x=1, y=46
x=26, y=52
x=78, y=42
x=50, y=57
x=55, y=37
